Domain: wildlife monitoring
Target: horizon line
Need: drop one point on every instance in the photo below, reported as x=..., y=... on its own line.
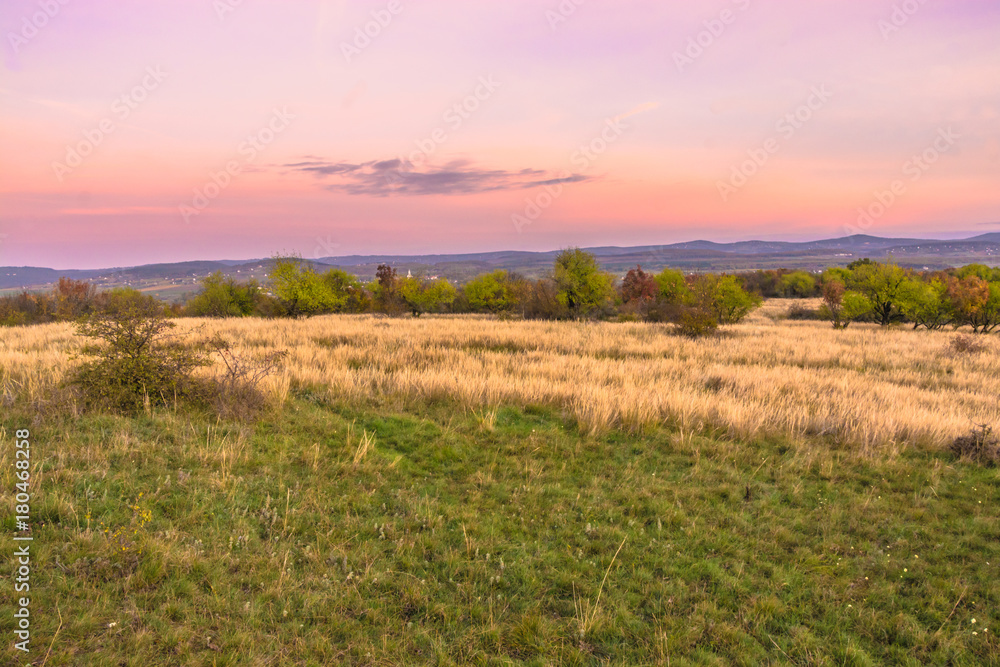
x=950, y=237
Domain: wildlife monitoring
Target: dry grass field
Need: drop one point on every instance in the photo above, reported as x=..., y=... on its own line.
x=866, y=389
x=469, y=491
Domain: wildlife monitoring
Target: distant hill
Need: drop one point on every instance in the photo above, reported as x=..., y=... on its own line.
x=174, y=280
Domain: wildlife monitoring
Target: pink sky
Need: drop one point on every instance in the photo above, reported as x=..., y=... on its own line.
x=363, y=152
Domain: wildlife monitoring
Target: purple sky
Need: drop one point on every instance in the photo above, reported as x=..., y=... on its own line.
x=135, y=132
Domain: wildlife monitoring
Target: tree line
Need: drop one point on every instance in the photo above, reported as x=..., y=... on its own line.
x=575, y=288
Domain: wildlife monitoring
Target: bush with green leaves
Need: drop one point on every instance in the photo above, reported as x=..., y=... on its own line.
x=724, y=298
x=133, y=361
x=695, y=322
x=842, y=306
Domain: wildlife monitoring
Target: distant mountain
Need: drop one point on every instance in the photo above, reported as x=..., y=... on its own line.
x=992, y=237
x=177, y=279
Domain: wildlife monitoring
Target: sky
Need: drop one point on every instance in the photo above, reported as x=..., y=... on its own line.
x=159, y=131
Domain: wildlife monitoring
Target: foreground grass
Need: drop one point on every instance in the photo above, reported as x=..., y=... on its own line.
x=429, y=534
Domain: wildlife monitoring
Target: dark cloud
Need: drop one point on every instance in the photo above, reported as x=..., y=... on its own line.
x=398, y=177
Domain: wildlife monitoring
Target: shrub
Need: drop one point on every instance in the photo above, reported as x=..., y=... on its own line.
x=842, y=306
x=695, y=323
x=966, y=345
x=980, y=445
x=725, y=298
x=26, y=308
x=135, y=364
x=639, y=286
x=542, y=301
x=800, y=312
x=238, y=394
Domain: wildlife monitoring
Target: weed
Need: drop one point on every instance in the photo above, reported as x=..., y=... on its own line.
x=979, y=445
x=967, y=345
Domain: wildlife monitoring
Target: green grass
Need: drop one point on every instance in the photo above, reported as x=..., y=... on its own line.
x=451, y=543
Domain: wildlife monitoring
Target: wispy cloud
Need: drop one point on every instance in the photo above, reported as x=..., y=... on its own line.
x=642, y=108
x=381, y=178
x=117, y=210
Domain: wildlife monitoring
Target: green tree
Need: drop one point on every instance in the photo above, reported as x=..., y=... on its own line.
x=837, y=273
x=425, y=296
x=223, y=296
x=301, y=290
x=975, y=302
x=673, y=287
x=385, y=290
x=583, y=288
x=882, y=284
x=798, y=284
x=347, y=294
x=980, y=271
x=925, y=304
x=490, y=292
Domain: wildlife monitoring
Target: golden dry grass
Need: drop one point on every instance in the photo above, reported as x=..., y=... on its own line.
x=870, y=389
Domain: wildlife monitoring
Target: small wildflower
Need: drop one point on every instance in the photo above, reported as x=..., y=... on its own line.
x=112, y=624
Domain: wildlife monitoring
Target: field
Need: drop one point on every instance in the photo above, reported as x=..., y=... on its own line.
x=463, y=490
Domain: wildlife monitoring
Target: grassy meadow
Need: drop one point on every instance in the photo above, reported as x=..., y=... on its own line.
x=465, y=490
